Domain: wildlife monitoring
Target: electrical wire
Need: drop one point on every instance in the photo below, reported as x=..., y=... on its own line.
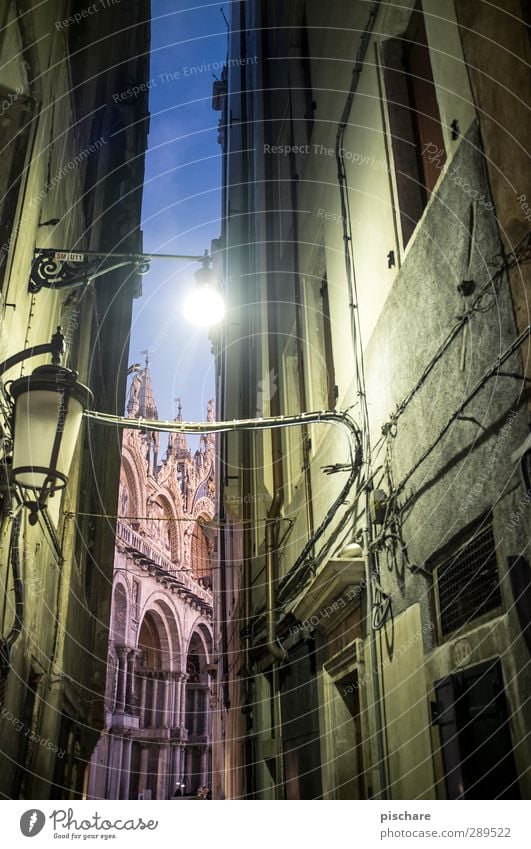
x=302, y=565
x=392, y=521
x=266, y=423
x=520, y=256
x=493, y=370
x=372, y=561
x=7, y=643
x=391, y=530
x=211, y=523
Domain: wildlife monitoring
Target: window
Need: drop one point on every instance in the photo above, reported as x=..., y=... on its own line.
x=292, y=438
x=472, y=714
x=16, y=118
x=283, y=177
x=136, y=598
x=200, y=556
x=300, y=723
x=467, y=584
x=414, y=120
x=70, y=768
x=309, y=103
x=92, y=162
x=331, y=387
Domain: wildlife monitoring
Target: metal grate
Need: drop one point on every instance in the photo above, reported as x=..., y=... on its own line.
x=467, y=582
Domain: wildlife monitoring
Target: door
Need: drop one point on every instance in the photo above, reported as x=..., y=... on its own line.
x=472, y=714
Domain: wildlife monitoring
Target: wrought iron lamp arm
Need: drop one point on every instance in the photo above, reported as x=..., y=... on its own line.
x=56, y=347
x=55, y=268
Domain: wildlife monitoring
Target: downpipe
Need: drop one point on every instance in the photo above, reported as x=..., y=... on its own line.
x=272, y=645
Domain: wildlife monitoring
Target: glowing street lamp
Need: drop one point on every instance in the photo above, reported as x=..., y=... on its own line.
x=47, y=411
x=204, y=305
x=55, y=268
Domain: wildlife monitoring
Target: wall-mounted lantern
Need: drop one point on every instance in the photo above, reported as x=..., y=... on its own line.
x=49, y=407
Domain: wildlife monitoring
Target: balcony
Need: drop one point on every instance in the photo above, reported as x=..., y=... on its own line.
x=163, y=569
x=334, y=591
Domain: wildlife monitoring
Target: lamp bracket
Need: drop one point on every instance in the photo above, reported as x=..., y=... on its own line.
x=54, y=269
x=56, y=347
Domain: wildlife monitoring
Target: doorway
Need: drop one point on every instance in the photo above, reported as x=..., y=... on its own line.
x=472, y=713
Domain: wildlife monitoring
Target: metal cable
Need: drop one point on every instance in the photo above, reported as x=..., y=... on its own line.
x=494, y=368
x=338, y=418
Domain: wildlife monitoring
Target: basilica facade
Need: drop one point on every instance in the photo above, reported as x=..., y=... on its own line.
x=157, y=739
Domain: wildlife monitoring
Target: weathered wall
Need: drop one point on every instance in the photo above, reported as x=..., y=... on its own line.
x=470, y=471
x=406, y=312
x=67, y=161
x=494, y=37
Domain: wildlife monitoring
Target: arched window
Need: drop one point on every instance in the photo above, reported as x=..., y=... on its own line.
x=123, y=500
x=200, y=555
x=149, y=666
x=160, y=526
x=197, y=706
x=149, y=644
x=120, y=615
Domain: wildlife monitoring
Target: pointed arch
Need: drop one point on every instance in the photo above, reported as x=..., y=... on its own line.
x=197, y=704
x=150, y=642
x=174, y=629
x=159, y=608
x=200, y=559
x=200, y=645
x=120, y=613
x=134, y=484
x=164, y=497
x=154, y=641
x=203, y=509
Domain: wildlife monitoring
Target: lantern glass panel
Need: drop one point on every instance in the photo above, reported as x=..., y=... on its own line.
x=49, y=407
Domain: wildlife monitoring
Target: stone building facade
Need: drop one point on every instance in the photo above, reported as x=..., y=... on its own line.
x=375, y=249
x=158, y=700
x=71, y=178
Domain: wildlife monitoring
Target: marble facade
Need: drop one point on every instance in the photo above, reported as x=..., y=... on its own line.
x=157, y=741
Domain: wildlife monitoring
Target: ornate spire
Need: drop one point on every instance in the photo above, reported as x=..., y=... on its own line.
x=146, y=401
x=141, y=401
x=208, y=440
x=180, y=445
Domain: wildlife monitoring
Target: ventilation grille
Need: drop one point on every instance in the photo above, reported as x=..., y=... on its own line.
x=467, y=582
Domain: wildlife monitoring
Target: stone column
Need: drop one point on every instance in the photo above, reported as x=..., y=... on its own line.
x=162, y=772
x=166, y=683
x=178, y=687
x=191, y=780
x=144, y=763
x=154, y=697
x=143, y=700
x=204, y=766
x=175, y=771
x=195, y=715
x=171, y=698
x=182, y=761
x=114, y=767
x=184, y=680
x=125, y=777
x=122, y=677
x=202, y=712
x=131, y=695
x=208, y=711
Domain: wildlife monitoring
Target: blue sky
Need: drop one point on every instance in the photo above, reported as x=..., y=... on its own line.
x=181, y=209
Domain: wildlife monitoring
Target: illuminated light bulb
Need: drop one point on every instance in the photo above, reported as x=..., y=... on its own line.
x=204, y=305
